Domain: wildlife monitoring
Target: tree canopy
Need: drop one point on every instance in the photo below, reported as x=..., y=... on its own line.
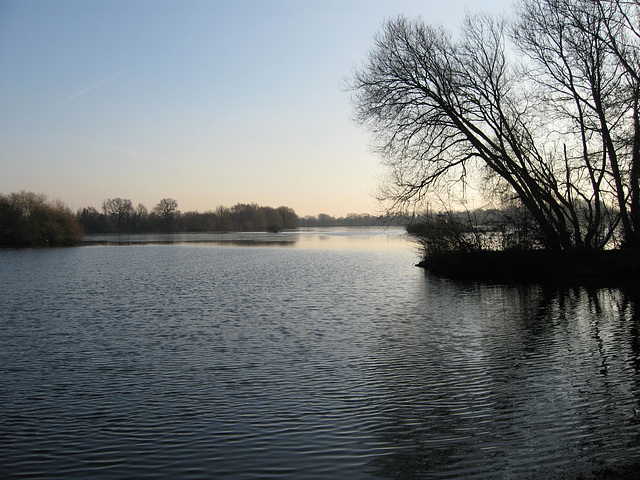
x=540, y=109
x=29, y=219
x=118, y=215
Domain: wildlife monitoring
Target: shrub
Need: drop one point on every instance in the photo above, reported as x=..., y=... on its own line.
x=29, y=219
x=445, y=234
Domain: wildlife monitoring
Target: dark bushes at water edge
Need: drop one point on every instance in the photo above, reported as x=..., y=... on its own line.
x=619, y=268
x=29, y=219
x=509, y=251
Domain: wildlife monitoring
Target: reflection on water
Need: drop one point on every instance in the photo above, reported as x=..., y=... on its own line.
x=515, y=383
x=209, y=361
x=368, y=238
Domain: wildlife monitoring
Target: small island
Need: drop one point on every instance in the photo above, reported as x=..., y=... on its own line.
x=501, y=251
x=609, y=268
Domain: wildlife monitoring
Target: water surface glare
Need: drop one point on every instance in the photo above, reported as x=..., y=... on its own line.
x=195, y=360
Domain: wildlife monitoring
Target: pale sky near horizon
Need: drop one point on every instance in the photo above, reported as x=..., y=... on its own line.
x=209, y=102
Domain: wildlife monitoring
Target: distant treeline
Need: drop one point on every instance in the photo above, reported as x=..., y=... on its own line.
x=29, y=219
x=119, y=216
x=353, y=220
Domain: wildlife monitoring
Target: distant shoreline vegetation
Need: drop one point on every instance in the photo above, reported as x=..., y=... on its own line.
x=31, y=220
x=118, y=215
x=499, y=245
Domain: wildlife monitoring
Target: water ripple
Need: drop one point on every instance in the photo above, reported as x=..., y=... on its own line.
x=193, y=362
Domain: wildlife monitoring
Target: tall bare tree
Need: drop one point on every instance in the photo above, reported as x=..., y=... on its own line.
x=583, y=61
x=119, y=210
x=167, y=208
x=556, y=130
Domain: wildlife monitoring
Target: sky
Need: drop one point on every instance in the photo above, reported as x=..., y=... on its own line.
x=211, y=103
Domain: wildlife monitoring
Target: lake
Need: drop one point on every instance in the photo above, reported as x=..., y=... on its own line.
x=321, y=353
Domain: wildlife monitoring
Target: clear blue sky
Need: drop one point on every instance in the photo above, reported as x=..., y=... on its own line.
x=208, y=102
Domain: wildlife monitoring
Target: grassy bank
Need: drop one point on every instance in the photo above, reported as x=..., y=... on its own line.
x=605, y=268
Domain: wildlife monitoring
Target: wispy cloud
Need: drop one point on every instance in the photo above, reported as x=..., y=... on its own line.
x=127, y=152
x=94, y=86
x=59, y=102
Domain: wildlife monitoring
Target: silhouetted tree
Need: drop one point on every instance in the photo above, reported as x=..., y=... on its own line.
x=559, y=133
x=92, y=221
x=119, y=215
x=224, y=219
x=119, y=210
x=289, y=217
x=248, y=217
x=139, y=220
x=28, y=218
x=273, y=219
x=167, y=209
x=325, y=220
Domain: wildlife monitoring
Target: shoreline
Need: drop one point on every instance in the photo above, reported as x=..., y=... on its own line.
x=609, y=268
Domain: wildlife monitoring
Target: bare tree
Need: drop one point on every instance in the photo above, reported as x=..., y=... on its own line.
x=555, y=132
x=119, y=210
x=167, y=208
x=583, y=64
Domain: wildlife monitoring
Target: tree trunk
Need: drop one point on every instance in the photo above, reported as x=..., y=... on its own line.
x=634, y=236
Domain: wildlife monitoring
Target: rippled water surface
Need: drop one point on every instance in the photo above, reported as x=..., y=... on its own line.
x=327, y=356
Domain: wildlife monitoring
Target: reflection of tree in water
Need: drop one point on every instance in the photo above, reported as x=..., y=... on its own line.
x=629, y=304
x=509, y=381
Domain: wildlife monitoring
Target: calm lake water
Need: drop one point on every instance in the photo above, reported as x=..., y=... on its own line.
x=316, y=354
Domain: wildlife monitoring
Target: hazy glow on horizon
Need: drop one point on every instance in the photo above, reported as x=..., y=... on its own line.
x=208, y=102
